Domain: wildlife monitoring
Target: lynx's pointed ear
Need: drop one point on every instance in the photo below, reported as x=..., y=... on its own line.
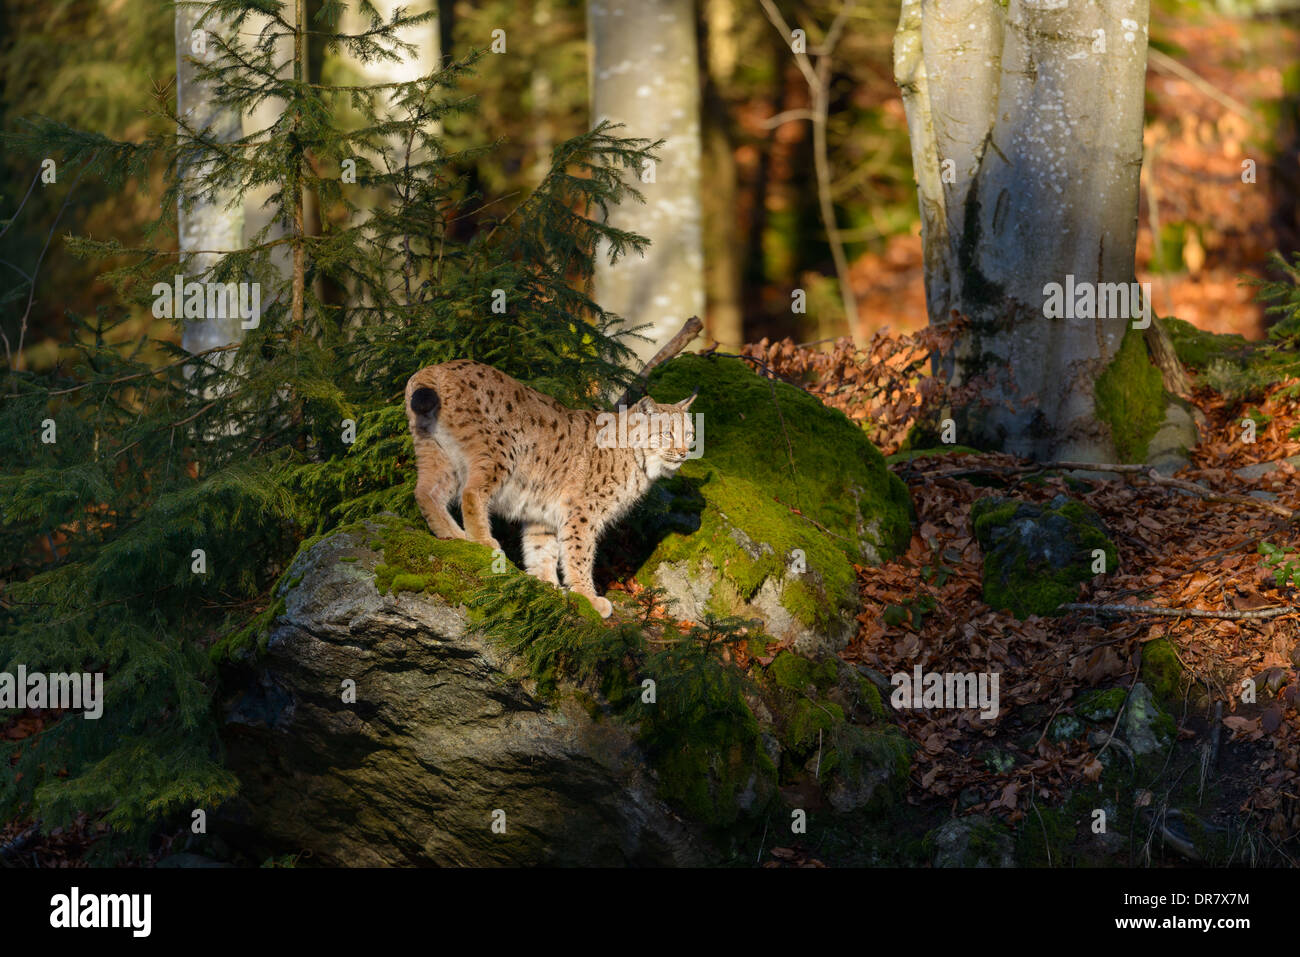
x=644, y=404
x=686, y=402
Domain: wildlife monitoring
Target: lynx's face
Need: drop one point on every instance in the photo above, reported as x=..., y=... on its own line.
x=666, y=432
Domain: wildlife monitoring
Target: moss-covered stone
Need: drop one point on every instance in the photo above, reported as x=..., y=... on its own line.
x=415, y=560
x=976, y=841
x=787, y=496
x=1036, y=556
x=1162, y=672
x=1130, y=398
x=1064, y=727
x=1100, y=704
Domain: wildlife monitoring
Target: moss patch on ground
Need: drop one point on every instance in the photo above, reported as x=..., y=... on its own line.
x=1162, y=672
x=780, y=472
x=1130, y=398
x=1035, y=556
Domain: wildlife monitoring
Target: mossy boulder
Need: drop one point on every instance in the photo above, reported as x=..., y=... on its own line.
x=787, y=496
x=408, y=688
x=1035, y=556
x=378, y=727
x=1100, y=704
x=829, y=723
x=1198, y=349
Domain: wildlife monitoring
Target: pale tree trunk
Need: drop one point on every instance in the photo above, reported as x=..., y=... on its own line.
x=1038, y=106
x=645, y=75
x=541, y=94
x=427, y=59
x=726, y=319
x=205, y=228
x=257, y=214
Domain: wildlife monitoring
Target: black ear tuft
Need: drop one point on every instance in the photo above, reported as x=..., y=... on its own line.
x=424, y=401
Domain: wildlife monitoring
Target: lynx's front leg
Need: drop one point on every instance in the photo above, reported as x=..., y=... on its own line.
x=577, y=555
x=541, y=552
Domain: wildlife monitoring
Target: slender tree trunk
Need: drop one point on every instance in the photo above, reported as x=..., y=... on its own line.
x=725, y=318
x=206, y=228
x=427, y=40
x=541, y=95
x=1026, y=125
x=257, y=214
x=645, y=75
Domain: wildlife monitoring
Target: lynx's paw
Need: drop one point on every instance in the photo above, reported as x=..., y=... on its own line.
x=602, y=605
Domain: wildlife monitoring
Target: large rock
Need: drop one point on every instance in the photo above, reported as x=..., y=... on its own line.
x=786, y=498
x=440, y=741
x=373, y=718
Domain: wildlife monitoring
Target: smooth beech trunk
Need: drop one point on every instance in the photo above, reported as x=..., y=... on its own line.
x=645, y=74
x=214, y=225
x=1026, y=125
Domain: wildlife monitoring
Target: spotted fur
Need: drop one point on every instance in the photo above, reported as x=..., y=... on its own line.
x=509, y=450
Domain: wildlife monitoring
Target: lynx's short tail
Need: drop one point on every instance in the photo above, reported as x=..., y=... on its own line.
x=426, y=404
x=424, y=401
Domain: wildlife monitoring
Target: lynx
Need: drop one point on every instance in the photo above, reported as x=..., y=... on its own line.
x=509, y=450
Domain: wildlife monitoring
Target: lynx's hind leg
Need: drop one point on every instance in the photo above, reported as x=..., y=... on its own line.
x=481, y=484
x=541, y=552
x=434, y=486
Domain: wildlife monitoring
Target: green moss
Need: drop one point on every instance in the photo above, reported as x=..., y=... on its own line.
x=1100, y=704
x=1198, y=349
x=795, y=673
x=1162, y=672
x=779, y=472
x=869, y=698
x=1045, y=835
x=1130, y=398
x=251, y=639
x=987, y=514
x=415, y=560
x=1011, y=581
x=858, y=751
x=806, y=719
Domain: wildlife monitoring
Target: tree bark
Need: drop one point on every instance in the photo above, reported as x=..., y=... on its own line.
x=645, y=75
x=726, y=324
x=1026, y=125
x=210, y=226
x=257, y=214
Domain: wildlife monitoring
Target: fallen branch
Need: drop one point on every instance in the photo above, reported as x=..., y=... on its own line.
x=676, y=344
x=1141, y=471
x=1160, y=610
x=1167, y=64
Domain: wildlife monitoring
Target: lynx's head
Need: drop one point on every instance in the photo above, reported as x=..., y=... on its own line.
x=667, y=433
